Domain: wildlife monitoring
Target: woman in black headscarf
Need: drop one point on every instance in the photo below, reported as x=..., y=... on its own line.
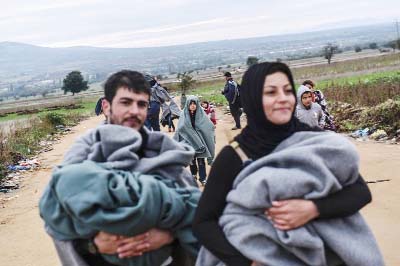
x=268, y=99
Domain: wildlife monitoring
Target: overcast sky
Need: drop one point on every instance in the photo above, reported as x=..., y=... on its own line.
x=143, y=23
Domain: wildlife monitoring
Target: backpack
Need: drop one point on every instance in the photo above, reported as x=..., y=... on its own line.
x=236, y=98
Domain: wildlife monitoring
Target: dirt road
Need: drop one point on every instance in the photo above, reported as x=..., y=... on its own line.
x=23, y=241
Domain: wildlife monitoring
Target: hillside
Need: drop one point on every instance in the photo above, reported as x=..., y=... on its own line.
x=23, y=62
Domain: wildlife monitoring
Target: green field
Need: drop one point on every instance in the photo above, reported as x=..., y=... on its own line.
x=210, y=91
x=87, y=108
x=348, y=66
x=392, y=77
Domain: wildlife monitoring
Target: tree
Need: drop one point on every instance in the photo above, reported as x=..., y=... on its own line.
x=252, y=60
x=186, y=82
x=393, y=44
x=328, y=51
x=74, y=83
x=357, y=49
x=44, y=93
x=373, y=45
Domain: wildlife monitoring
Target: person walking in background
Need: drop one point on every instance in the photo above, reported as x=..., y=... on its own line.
x=197, y=130
x=210, y=111
x=319, y=98
x=98, y=110
x=231, y=92
x=158, y=96
x=307, y=111
x=183, y=100
x=170, y=112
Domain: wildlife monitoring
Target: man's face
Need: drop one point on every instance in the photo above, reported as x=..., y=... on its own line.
x=306, y=99
x=127, y=109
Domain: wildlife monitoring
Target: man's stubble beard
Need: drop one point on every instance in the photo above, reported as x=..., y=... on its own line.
x=112, y=121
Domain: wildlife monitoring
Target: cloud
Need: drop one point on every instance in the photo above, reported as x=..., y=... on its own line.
x=168, y=35
x=134, y=23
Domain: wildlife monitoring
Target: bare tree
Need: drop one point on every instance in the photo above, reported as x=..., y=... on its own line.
x=186, y=82
x=329, y=50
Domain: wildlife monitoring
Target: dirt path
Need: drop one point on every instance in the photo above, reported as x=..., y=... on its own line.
x=23, y=241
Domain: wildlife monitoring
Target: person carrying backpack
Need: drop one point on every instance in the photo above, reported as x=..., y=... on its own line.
x=232, y=94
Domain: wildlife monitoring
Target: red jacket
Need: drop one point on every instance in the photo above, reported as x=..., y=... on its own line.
x=211, y=114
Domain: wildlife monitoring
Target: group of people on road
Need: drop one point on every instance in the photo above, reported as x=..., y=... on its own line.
x=283, y=192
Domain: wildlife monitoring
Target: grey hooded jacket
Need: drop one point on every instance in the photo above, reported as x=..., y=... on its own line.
x=313, y=116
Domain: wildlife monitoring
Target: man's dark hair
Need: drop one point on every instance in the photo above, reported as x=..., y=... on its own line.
x=228, y=74
x=309, y=82
x=132, y=80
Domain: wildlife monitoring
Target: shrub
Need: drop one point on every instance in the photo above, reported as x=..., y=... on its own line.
x=54, y=119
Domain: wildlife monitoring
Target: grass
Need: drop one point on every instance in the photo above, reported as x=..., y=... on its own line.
x=210, y=92
x=364, y=90
x=24, y=140
x=348, y=66
x=87, y=108
x=389, y=76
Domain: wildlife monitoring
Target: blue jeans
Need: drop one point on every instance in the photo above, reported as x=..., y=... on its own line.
x=170, y=122
x=236, y=112
x=199, y=164
x=153, y=116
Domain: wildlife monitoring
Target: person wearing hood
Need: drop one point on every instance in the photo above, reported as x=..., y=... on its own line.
x=307, y=111
x=268, y=99
x=319, y=98
x=197, y=130
x=158, y=96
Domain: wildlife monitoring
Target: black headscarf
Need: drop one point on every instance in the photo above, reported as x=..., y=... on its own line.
x=260, y=137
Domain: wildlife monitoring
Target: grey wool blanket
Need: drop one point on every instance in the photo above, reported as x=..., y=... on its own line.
x=103, y=185
x=307, y=165
x=202, y=137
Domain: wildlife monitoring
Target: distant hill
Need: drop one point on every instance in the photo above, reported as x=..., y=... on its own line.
x=20, y=61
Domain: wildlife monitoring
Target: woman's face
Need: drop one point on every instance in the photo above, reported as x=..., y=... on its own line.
x=192, y=106
x=278, y=99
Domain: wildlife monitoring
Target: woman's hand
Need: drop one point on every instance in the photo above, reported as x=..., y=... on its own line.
x=290, y=214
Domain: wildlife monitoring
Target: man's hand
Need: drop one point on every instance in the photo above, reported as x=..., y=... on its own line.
x=151, y=240
x=133, y=246
x=290, y=214
x=106, y=243
x=159, y=238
